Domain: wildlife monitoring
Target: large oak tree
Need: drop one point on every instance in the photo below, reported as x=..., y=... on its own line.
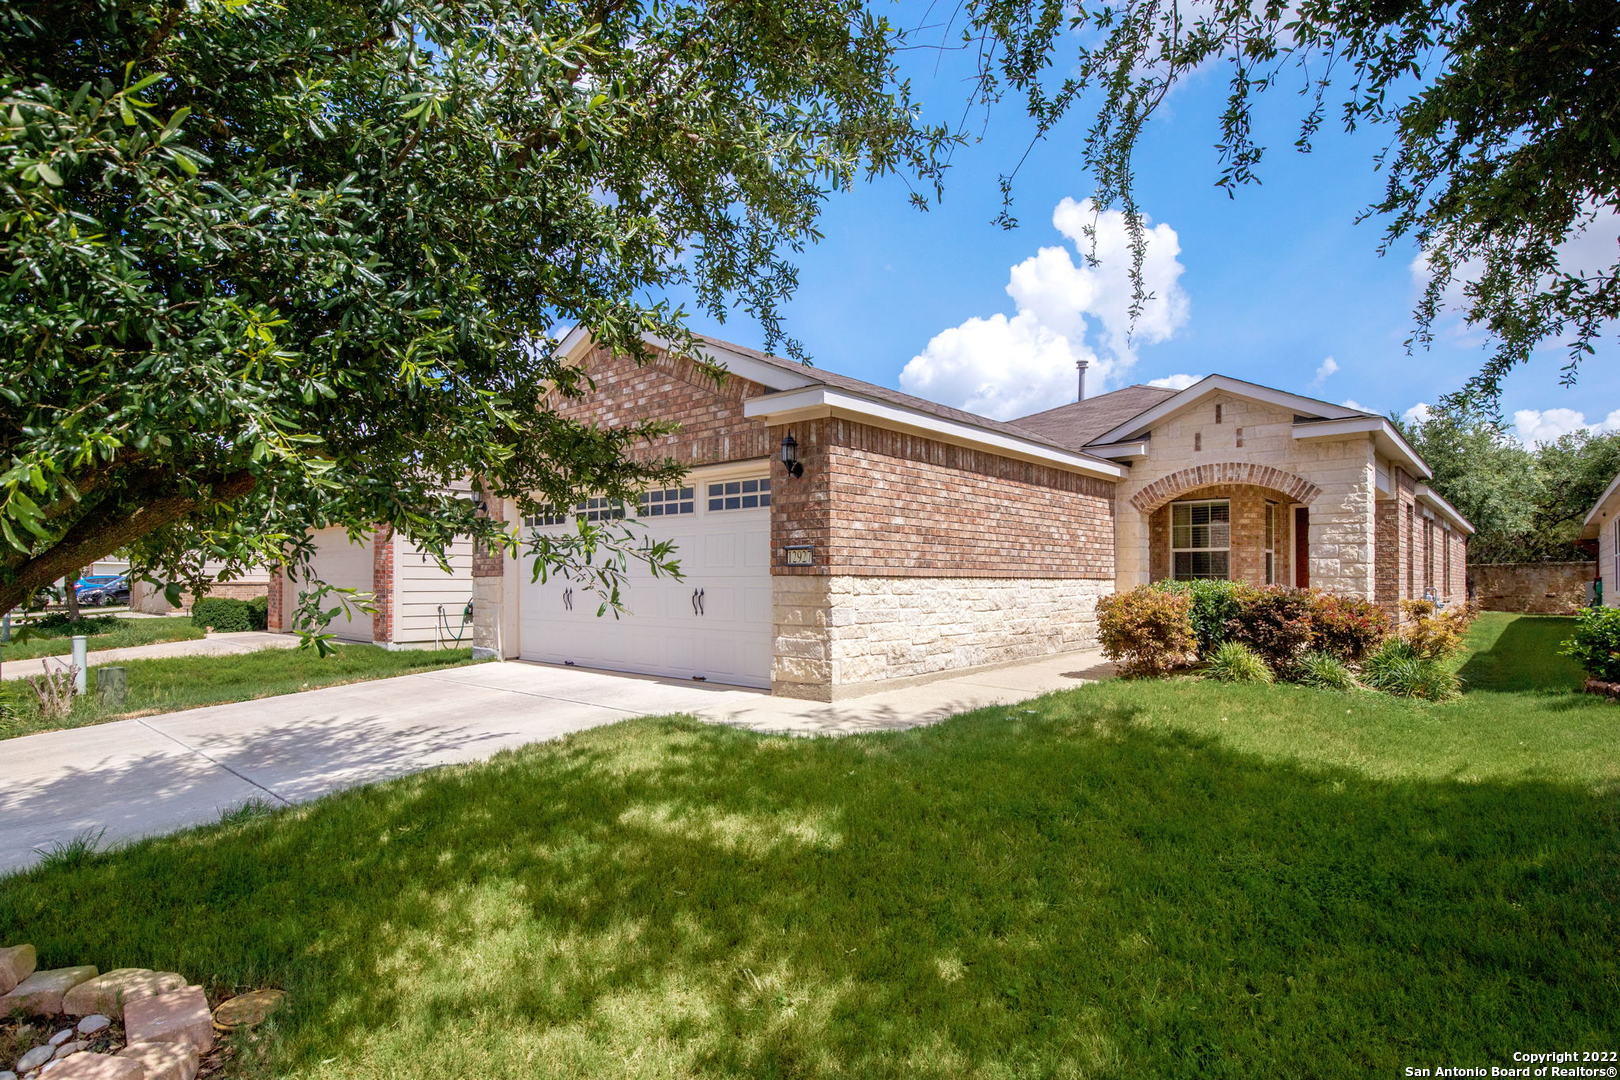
x=268, y=265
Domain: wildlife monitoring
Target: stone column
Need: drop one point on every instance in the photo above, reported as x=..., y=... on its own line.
x=489, y=595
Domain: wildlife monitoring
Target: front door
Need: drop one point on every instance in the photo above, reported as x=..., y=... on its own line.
x=1302, y=547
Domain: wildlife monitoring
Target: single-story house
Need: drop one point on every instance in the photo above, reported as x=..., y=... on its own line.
x=418, y=605
x=151, y=600
x=1602, y=524
x=907, y=539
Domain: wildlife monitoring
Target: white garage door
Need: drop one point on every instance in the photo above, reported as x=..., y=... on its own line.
x=713, y=624
x=346, y=565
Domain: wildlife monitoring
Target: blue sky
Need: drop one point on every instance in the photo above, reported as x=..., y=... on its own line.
x=1270, y=284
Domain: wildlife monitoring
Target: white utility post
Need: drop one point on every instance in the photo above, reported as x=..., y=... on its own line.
x=81, y=663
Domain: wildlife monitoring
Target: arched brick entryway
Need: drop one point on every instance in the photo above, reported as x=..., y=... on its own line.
x=1166, y=488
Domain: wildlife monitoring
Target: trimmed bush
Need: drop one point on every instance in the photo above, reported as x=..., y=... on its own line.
x=1238, y=664
x=1324, y=671
x=1147, y=630
x=1275, y=622
x=1214, y=604
x=228, y=616
x=1346, y=627
x=1595, y=645
x=1396, y=667
x=1434, y=633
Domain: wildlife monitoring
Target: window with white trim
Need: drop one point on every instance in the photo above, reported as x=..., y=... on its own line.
x=740, y=494
x=1271, y=542
x=547, y=517
x=1201, y=539
x=668, y=502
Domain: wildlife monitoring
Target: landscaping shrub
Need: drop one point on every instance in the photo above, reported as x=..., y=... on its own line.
x=228, y=615
x=1232, y=662
x=1275, y=622
x=1323, y=671
x=1148, y=630
x=1435, y=633
x=1346, y=627
x=1396, y=667
x=1595, y=645
x=1214, y=604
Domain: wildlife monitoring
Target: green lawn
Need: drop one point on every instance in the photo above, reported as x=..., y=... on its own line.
x=186, y=682
x=104, y=632
x=1155, y=880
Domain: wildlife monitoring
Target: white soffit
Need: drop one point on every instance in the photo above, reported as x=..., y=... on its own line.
x=814, y=402
x=1433, y=500
x=1589, y=526
x=744, y=367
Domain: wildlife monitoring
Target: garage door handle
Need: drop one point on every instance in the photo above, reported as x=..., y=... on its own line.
x=701, y=610
x=694, y=602
x=568, y=599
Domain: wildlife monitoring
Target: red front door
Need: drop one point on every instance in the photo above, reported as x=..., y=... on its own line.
x=1302, y=547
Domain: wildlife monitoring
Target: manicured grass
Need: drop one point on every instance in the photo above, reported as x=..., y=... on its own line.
x=1173, y=879
x=104, y=632
x=186, y=682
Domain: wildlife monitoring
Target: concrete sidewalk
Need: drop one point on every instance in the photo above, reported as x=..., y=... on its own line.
x=245, y=641
x=157, y=774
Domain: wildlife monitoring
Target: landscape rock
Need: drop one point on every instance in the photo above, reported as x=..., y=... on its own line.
x=163, y=1061
x=36, y=1057
x=41, y=993
x=175, y=1016
x=91, y=1024
x=70, y=1048
x=108, y=993
x=96, y=1067
x=7, y=1074
x=61, y=1037
x=16, y=963
x=246, y=1010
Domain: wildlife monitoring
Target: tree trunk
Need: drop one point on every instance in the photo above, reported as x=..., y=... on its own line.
x=72, y=583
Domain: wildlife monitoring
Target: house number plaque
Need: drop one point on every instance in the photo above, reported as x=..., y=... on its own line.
x=801, y=555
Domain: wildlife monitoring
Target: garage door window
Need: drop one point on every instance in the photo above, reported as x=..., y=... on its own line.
x=668, y=502
x=740, y=494
x=547, y=517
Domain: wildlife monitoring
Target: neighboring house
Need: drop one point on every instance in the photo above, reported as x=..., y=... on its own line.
x=148, y=598
x=1603, y=525
x=417, y=605
x=916, y=539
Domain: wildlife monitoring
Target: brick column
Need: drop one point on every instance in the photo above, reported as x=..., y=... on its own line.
x=488, y=574
x=276, y=612
x=382, y=585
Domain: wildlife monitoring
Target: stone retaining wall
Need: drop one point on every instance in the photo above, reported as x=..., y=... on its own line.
x=1550, y=588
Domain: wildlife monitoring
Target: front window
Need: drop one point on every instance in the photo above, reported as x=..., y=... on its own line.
x=1271, y=543
x=1201, y=539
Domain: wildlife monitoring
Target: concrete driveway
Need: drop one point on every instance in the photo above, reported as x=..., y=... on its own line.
x=157, y=774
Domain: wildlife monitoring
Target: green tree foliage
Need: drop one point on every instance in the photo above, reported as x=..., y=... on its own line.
x=265, y=265
x=1528, y=503
x=1501, y=121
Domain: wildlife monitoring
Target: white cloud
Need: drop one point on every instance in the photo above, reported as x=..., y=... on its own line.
x=1352, y=403
x=1175, y=382
x=1419, y=413
x=1323, y=370
x=1005, y=366
x=1545, y=425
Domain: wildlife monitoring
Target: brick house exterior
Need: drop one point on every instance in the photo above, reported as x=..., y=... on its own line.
x=915, y=540
x=1602, y=530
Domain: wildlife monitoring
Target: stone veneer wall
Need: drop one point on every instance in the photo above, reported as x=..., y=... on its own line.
x=841, y=635
x=929, y=559
x=1252, y=435
x=1551, y=588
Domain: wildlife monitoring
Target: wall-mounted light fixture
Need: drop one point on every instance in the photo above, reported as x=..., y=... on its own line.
x=790, y=456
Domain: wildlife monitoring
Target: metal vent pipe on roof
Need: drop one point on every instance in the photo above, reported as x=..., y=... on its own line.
x=1081, y=366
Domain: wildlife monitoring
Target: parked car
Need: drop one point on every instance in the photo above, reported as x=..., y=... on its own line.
x=104, y=593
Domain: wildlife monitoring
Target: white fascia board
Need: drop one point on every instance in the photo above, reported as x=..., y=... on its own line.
x=1210, y=384
x=818, y=401
x=1433, y=499
x=744, y=367
x=1389, y=441
x=1135, y=448
x=1591, y=522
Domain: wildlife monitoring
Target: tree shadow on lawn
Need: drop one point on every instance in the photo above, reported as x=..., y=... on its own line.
x=1007, y=894
x=1524, y=656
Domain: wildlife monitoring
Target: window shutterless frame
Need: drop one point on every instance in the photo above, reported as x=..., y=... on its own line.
x=1201, y=539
